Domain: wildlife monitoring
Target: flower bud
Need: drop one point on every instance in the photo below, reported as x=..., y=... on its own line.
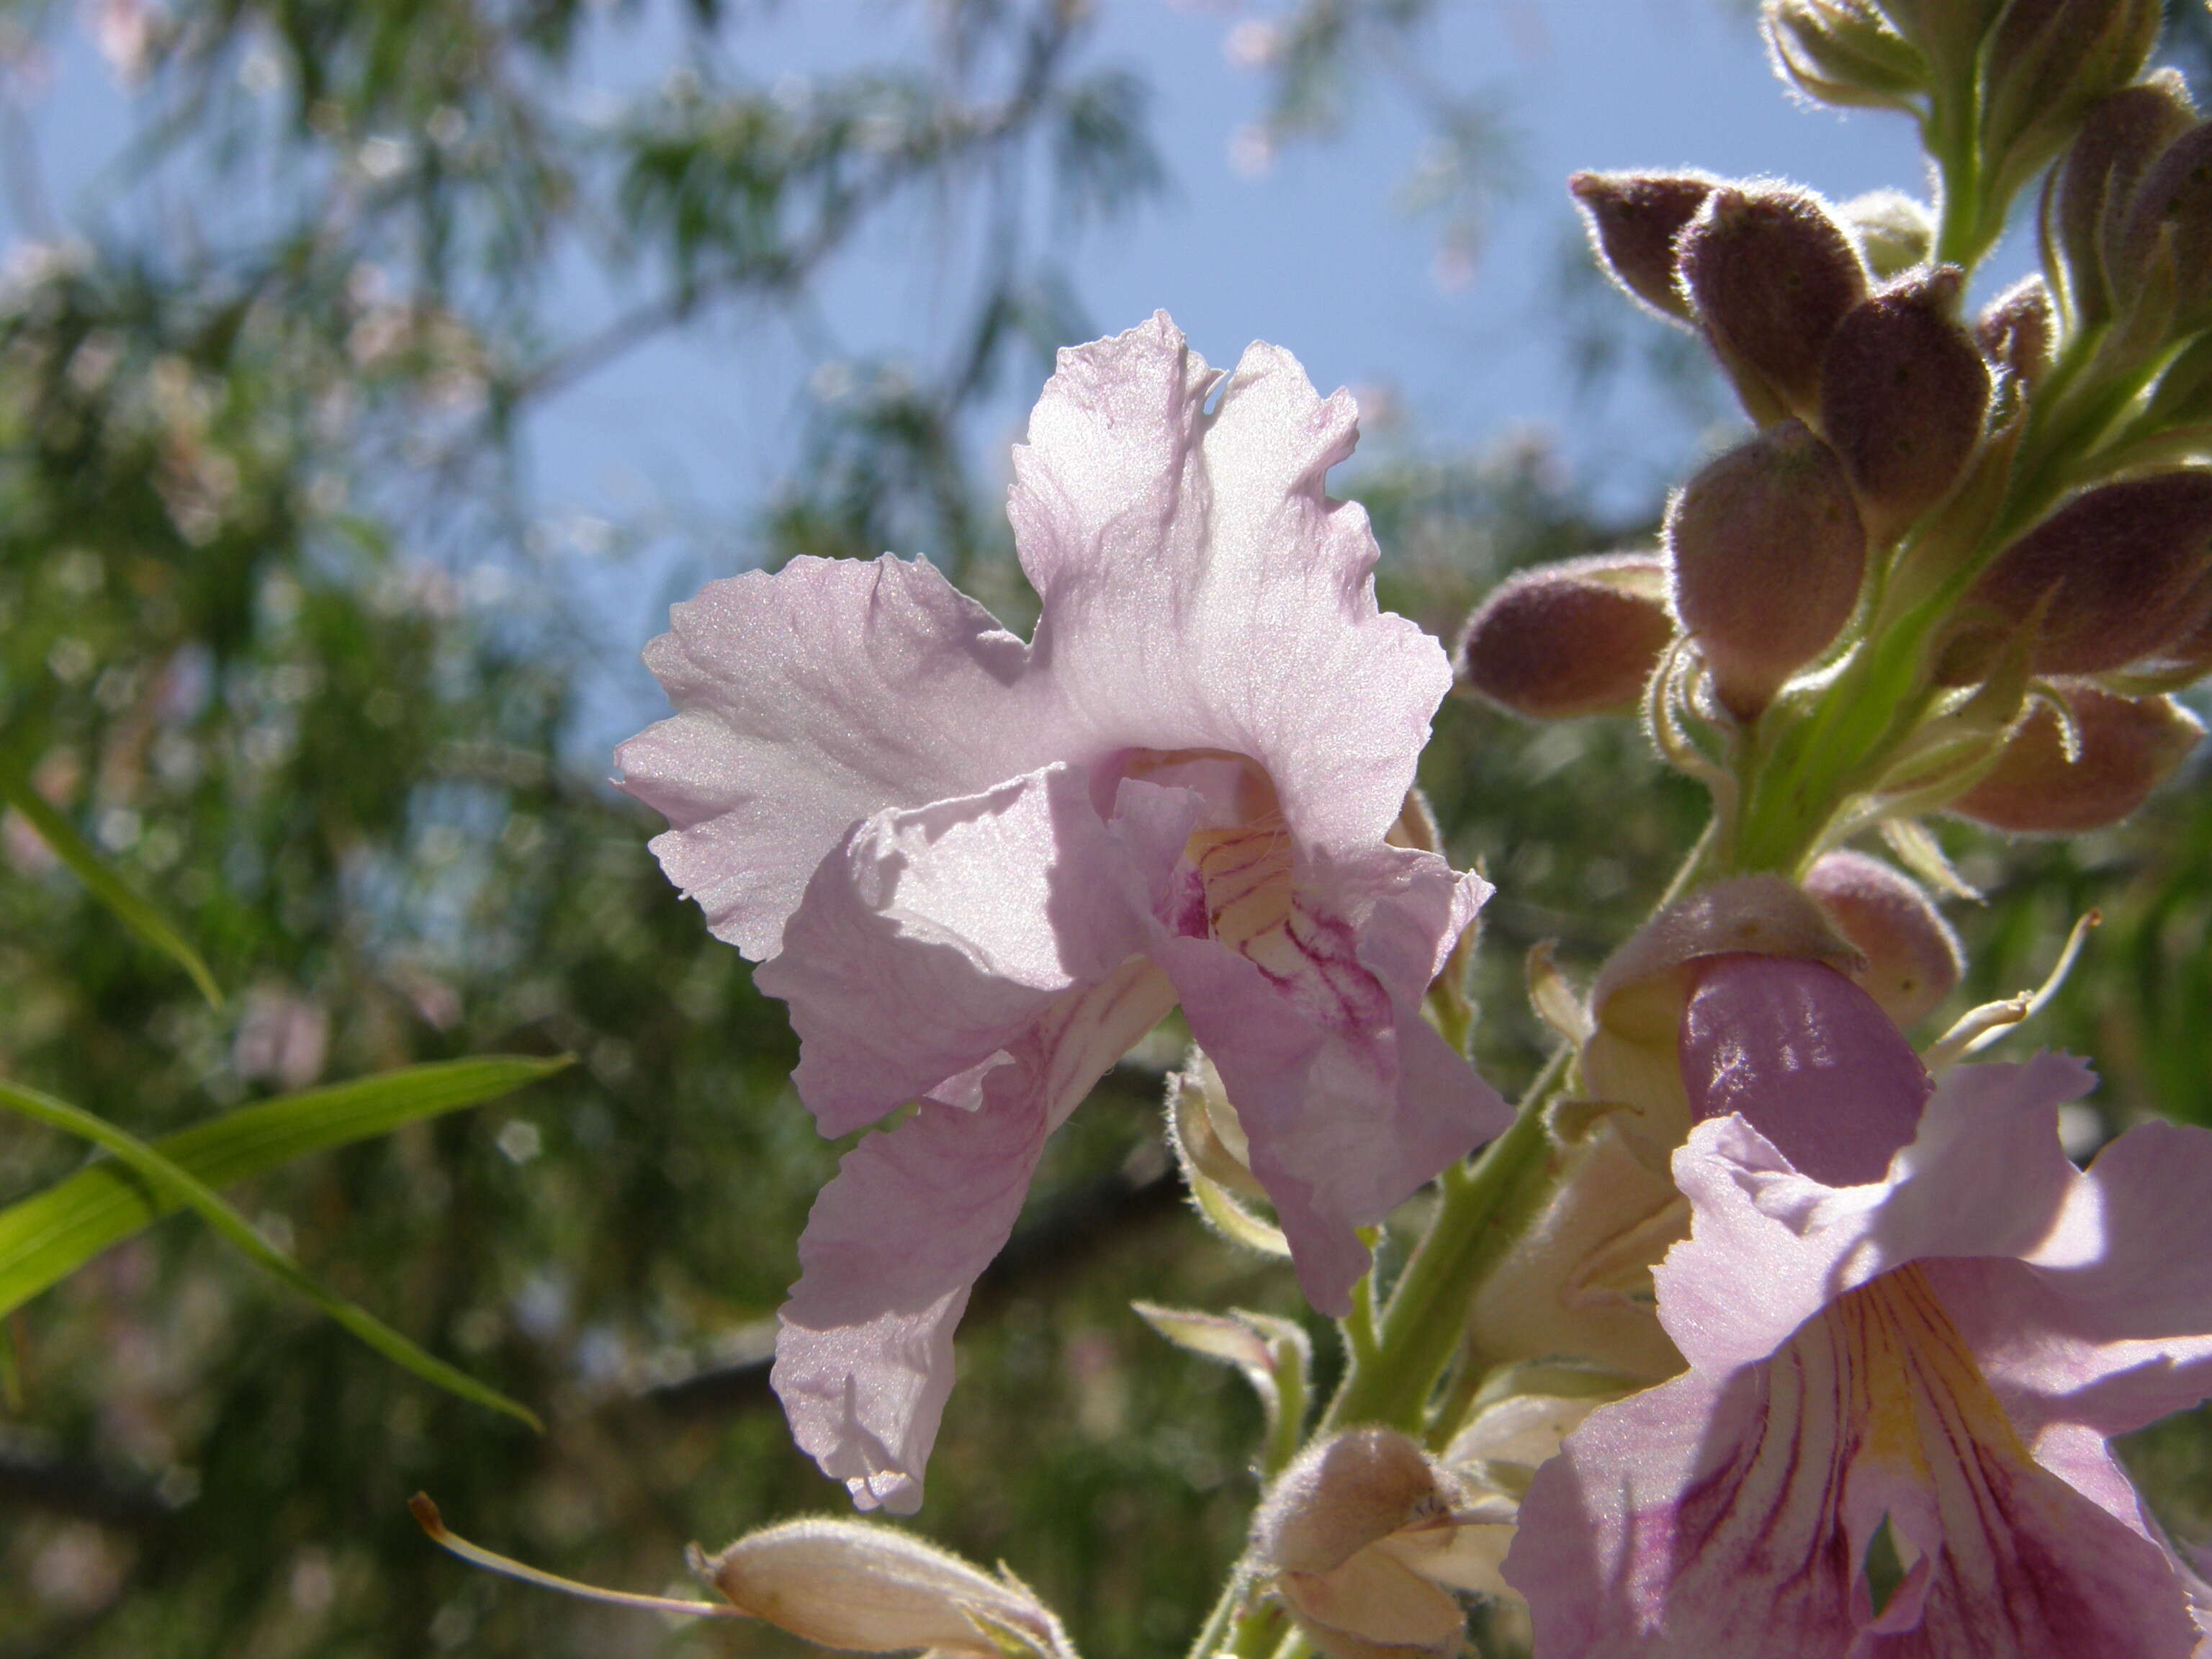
x=1912, y=957
x=2127, y=746
x=2016, y=332
x=1895, y=233
x=1634, y=219
x=2091, y=194
x=868, y=1589
x=1349, y=1533
x=1903, y=394
x=2104, y=578
x=1949, y=32
x=1578, y=637
x=1767, y=551
x=2171, y=221
x=1771, y=274
x=2046, y=62
x=1842, y=51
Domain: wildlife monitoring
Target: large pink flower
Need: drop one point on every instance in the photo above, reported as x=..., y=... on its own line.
x=1942, y=1352
x=978, y=869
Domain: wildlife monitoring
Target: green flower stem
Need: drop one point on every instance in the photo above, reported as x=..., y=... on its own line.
x=1423, y=1325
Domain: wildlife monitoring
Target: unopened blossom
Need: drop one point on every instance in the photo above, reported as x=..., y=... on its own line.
x=978, y=869
x=1366, y=1536
x=1892, y=1436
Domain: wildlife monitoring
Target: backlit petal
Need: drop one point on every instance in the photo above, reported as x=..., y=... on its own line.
x=864, y=1360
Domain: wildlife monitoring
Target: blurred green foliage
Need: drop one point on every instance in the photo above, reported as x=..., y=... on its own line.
x=274, y=636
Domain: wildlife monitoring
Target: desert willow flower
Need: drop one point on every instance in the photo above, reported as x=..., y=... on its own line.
x=979, y=869
x=1912, y=1330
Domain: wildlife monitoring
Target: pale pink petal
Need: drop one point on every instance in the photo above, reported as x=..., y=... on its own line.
x=1729, y=1518
x=1350, y=1100
x=864, y=1360
x=807, y=700
x=1202, y=592
x=933, y=938
x=1771, y=1246
x=1807, y=1058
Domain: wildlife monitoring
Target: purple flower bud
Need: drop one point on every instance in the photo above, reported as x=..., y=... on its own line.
x=1768, y=551
x=1913, y=959
x=1771, y=275
x=1633, y=220
x=2127, y=746
x=2087, y=201
x=1578, y=637
x=1843, y=51
x=2109, y=570
x=2171, y=219
x=1902, y=393
x=2045, y=63
x=2016, y=330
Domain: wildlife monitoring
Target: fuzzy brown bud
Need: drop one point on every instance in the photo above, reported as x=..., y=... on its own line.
x=2127, y=746
x=1767, y=553
x=2104, y=578
x=2047, y=61
x=1912, y=957
x=1634, y=219
x=2090, y=195
x=2171, y=223
x=1903, y=394
x=1578, y=637
x=1346, y=1534
x=1895, y=233
x=1771, y=274
x=1843, y=51
x=2015, y=331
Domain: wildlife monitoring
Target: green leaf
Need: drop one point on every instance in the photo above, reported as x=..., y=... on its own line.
x=48, y=1237
x=42, y=1237
x=129, y=907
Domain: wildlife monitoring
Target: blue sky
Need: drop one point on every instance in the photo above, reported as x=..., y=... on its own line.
x=1312, y=253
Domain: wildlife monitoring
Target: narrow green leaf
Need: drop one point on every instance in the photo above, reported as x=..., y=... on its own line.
x=100, y=878
x=186, y=1190
x=50, y=1234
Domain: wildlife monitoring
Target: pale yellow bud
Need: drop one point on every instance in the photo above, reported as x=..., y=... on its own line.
x=863, y=1588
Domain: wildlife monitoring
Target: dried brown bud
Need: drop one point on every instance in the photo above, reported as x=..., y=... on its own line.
x=1771, y=274
x=2016, y=331
x=1895, y=233
x=2109, y=571
x=2090, y=195
x=1578, y=637
x=1843, y=51
x=2171, y=222
x=1903, y=394
x=1767, y=551
x=868, y=1589
x=1913, y=959
x=2046, y=62
x=1633, y=220
x=2127, y=746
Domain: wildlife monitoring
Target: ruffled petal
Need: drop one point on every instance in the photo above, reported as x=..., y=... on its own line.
x=1201, y=591
x=1772, y=1246
x=1730, y=1518
x=1809, y=1060
x=933, y=938
x=807, y=700
x=895, y=1243
x=1351, y=1102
